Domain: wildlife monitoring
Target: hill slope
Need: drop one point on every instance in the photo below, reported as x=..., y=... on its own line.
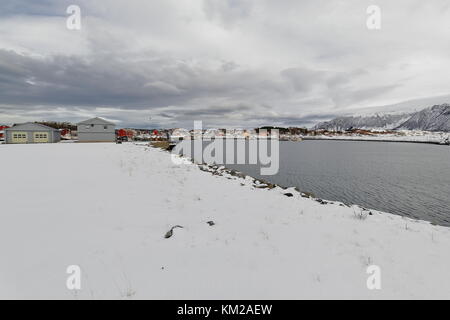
x=385, y=121
x=436, y=118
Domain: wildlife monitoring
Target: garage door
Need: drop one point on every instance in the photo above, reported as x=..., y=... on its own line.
x=41, y=137
x=19, y=137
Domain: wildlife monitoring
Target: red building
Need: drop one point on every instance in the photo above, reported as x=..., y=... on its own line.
x=64, y=132
x=121, y=133
x=125, y=133
x=2, y=128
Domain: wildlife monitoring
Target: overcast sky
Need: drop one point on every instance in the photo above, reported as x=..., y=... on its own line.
x=235, y=63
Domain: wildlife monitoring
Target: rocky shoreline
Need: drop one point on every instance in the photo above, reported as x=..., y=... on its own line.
x=222, y=171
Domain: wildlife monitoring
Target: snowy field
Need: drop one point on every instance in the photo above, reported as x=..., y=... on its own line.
x=107, y=208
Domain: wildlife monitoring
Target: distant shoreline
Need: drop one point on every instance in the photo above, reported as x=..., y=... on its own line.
x=373, y=140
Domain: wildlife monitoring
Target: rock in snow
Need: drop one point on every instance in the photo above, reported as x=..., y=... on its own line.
x=104, y=207
x=169, y=233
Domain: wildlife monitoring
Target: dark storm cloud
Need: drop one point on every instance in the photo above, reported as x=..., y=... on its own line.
x=155, y=82
x=175, y=90
x=106, y=81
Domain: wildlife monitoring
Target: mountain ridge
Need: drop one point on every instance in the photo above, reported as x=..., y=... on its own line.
x=434, y=118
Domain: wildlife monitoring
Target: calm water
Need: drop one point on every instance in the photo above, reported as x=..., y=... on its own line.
x=408, y=179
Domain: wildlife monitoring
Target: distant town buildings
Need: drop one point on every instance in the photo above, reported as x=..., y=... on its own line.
x=100, y=130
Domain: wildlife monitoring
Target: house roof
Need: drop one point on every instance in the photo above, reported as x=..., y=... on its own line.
x=96, y=121
x=31, y=126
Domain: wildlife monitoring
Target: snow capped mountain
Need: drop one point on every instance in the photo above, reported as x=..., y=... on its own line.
x=436, y=118
x=378, y=121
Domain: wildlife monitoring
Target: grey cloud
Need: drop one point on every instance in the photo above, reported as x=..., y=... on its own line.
x=180, y=90
x=33, y=7
x=303, y=79
x=227, y=12
x=217, y=111
x=251, y=115
x=352, y=96
x=292, y=119
x=107, y=81
x=228, y=62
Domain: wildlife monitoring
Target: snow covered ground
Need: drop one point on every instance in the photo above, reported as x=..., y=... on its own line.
x=107, y=207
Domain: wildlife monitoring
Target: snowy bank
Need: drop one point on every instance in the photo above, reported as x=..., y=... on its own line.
x=108, y=209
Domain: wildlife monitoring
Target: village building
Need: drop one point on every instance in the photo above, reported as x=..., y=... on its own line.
x=31, y=133
x=2, y=132
x=96, y=130
x=180, y=134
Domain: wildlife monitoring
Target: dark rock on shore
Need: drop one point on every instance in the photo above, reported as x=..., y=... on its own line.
x=169, y=233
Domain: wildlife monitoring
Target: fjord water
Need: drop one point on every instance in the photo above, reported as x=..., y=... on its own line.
x=408, y=179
